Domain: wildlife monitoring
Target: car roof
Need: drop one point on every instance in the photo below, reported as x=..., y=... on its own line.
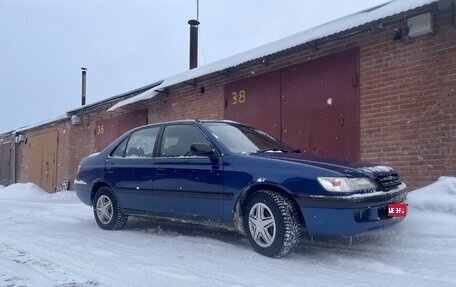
x=186, y=121
x=193, y=121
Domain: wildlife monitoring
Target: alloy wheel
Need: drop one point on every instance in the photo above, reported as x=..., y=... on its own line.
x=104, y=209
x=262, y=224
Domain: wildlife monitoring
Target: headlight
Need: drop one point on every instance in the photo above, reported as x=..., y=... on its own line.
x=346, y=184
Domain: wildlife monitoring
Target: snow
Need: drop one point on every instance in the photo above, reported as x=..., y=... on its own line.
x=374, y=169
x=53, y=240
x=78, y=181
x=44, y=122
x=440, y=196
x=345, y=23
x=141, y=97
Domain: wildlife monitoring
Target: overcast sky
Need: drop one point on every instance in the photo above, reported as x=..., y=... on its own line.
x=126, y=44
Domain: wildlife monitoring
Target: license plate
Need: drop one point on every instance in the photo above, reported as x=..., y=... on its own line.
x=397, y=209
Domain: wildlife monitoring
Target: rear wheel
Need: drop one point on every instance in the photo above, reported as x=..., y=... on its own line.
x=271, y=223
x=107, y=211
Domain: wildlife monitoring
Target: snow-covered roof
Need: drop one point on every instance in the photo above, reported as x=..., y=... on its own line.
x=149, y=94
x=128, y=95
x=41, y=123
x=348, y=22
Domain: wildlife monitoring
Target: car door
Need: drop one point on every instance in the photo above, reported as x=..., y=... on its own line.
x=129, y=170
x=185, y=184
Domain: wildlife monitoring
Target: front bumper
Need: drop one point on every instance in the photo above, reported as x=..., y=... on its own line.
x=349, y=215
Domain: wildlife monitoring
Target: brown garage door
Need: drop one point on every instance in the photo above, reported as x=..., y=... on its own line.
x=315, y=105
x=108, y=130
x=43, y=160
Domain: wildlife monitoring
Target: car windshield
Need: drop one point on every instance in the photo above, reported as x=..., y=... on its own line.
x=244, y=139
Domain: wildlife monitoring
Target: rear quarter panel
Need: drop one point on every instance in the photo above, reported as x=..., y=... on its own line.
x=91, y=172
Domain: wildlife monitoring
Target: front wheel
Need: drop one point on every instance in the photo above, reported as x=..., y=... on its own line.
x=271, y=224
x=107, y=211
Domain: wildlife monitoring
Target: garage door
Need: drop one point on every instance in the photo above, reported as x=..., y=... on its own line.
x=108, y=130
x=255, y=102
x=43, y=160
x=5, y=163
x=313, y=106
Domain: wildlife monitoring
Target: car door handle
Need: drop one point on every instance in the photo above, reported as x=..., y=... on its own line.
x=160, y=171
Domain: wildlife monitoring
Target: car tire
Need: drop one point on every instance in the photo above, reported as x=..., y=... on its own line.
x=271, y=223
x=107, y=210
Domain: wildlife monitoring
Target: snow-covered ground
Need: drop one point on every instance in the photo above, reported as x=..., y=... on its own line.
x=53, y=240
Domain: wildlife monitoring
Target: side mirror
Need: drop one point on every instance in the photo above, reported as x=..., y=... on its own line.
x=202, y=149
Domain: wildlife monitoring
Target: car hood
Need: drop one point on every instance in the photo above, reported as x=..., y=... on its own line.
x=348, y=168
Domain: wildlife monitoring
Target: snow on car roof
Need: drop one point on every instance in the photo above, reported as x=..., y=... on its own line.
x=348, y=22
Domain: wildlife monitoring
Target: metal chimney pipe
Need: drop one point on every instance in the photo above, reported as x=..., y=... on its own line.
x=193, y=43
x=84, y=76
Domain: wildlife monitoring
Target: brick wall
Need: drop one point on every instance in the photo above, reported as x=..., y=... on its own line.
x=187, y=103
x=82, y=139
x=407, y=103
x=407, y=98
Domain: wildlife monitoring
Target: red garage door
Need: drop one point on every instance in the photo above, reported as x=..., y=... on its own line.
x=108, y=130
x=255, y=102
x=313, y=106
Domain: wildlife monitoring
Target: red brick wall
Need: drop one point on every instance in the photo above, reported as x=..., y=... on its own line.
x=187, y=103
x=82, y=139
x=407, y=98
x=407, y=103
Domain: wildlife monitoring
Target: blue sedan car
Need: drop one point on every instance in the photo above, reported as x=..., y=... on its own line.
x=234, y=176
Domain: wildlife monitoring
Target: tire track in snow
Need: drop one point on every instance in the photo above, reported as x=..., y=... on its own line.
x=36, y=264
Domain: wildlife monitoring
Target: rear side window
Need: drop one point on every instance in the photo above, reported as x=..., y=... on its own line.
x=178, y=139
x=140, y=144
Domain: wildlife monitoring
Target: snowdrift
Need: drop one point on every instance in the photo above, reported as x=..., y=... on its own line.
x=30, y=192
x=439, y=196
x=22, y=191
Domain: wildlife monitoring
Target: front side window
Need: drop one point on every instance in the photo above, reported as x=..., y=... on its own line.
x=178, y=139
x=142, y=143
